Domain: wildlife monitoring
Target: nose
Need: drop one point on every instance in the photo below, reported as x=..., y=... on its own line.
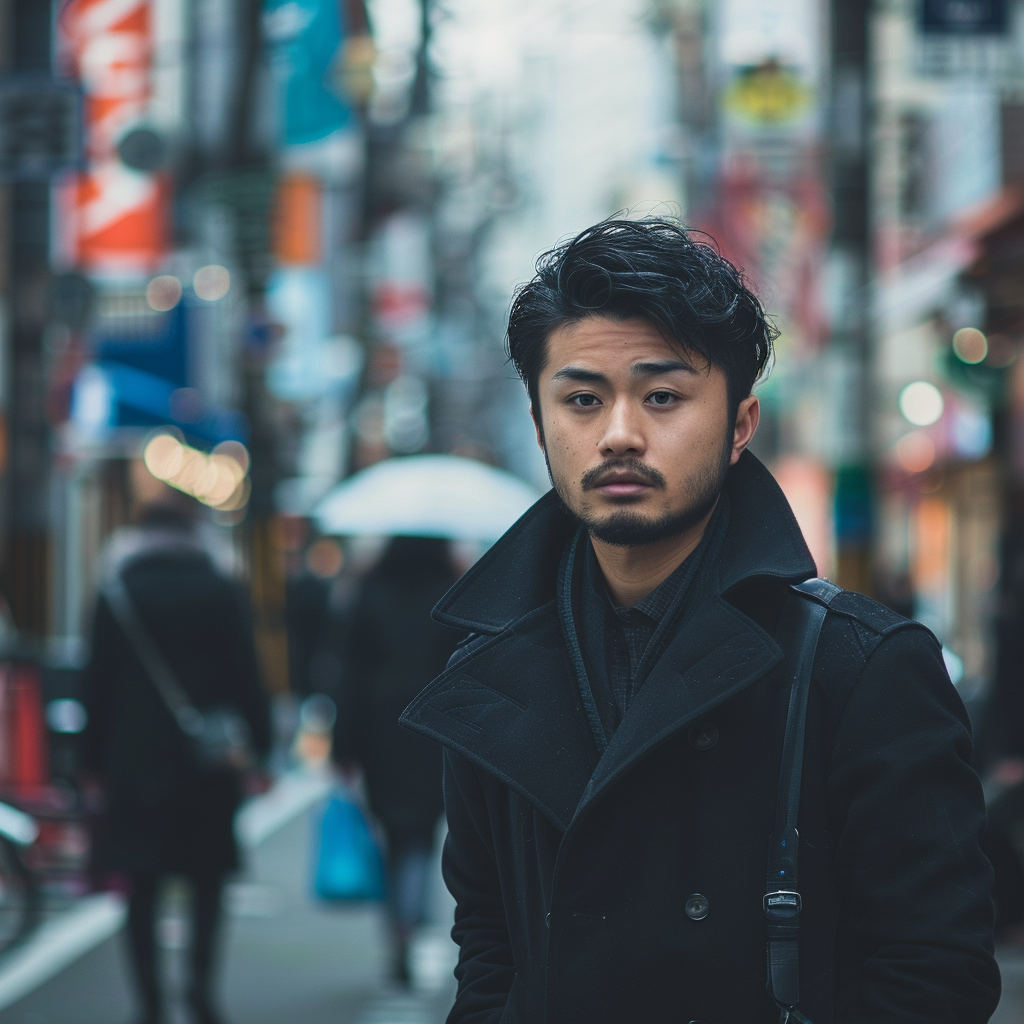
x=623, y=434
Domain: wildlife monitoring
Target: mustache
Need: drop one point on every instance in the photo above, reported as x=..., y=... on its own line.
x=595, y=477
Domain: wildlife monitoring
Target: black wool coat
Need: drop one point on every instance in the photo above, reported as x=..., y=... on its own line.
x=162, y=813
x=574, y=873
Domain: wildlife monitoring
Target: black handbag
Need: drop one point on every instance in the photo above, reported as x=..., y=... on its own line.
x=799, y=630
x=219, y=737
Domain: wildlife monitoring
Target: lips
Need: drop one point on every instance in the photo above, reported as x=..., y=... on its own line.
x=625, y=478
x=622, y=485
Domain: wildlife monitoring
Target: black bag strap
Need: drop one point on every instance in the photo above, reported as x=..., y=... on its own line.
x=799, y=629
x=184, y=712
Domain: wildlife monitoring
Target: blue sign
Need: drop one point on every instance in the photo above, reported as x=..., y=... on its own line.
x=304, y=37
x=964, y=17
x=140, y=378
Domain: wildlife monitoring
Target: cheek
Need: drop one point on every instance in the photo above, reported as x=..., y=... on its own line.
x=563, y=450
x=696, y=441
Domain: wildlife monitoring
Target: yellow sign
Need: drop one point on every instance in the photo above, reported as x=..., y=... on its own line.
x=768, y=94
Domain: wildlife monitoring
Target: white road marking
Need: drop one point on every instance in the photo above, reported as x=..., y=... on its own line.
x=61, y=941
x=264, y=815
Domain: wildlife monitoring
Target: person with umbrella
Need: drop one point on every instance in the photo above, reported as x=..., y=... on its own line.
x=390, y=649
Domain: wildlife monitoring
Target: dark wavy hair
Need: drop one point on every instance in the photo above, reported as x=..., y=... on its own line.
x=652, y=269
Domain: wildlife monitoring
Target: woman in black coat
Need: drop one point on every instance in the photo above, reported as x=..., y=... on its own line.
x=163, y=813
x=392, y=650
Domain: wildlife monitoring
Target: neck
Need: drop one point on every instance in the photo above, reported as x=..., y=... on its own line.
x=632, y=572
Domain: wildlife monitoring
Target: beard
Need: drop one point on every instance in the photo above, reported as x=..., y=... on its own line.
x=627, y=528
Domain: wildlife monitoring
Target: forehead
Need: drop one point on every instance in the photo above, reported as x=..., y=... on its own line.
x=604, y=342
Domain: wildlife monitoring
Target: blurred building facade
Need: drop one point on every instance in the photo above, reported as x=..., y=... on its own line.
x=287, y=231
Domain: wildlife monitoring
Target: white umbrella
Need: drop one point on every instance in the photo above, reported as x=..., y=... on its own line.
x=426, y=496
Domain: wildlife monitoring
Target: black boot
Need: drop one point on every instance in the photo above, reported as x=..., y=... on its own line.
x=206, y=918
x=142, y=947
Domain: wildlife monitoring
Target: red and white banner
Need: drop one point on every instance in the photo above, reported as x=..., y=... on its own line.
x=113, y=219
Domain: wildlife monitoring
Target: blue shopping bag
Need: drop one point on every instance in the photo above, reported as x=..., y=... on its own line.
x=349, y=866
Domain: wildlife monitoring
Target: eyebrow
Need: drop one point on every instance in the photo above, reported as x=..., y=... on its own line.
x=648, y=369
x=661, y=366
x=579, y=375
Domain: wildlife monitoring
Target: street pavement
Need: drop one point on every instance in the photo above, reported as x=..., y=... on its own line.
x=1011, y=966
x=286, y=958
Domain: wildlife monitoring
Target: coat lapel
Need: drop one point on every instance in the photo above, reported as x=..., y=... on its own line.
x=513, y=708
x=713, y=656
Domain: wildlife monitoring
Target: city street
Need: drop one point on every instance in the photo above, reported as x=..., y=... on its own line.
x=289, y=959
x=286, y=958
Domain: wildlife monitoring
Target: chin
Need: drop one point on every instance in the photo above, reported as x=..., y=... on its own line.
x=632, y=529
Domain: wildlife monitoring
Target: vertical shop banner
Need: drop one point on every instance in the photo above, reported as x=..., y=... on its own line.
x=113, y=218
x=305, y=39
x=771, y=212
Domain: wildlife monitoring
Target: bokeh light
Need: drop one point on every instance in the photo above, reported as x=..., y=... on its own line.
x=324, y=558
x=211, y=282
x=218, y=479
x=915, y=452
x=164, y=456
x=163, y=293
x=970, y=345
x=234, y=450
x=921, y=403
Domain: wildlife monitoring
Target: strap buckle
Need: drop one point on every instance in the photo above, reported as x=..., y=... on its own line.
x=791, y=1015
x=784, y=900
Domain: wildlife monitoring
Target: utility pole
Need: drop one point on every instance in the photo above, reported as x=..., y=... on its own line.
x=852, y=254
x=26, y=553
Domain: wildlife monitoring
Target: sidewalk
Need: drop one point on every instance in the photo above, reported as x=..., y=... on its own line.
x=286, y=957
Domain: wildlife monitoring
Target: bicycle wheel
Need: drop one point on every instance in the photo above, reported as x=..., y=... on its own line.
x=19, y=895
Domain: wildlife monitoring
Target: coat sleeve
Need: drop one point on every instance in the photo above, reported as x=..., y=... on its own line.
x=915, y=916
x=486, y=968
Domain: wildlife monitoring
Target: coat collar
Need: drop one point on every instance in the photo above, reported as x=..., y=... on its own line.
x=513, y=707
x=518, y=574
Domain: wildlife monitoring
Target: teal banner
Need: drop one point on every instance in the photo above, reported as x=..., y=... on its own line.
x=304, y=39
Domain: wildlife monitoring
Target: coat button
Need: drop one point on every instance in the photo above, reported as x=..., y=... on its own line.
x=547, y=920
x=696, y=907
x=703, y=735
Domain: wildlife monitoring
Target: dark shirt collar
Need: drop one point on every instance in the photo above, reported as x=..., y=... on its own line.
x=652, y=605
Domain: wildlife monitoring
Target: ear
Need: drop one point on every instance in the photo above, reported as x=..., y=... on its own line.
x=537, y=427
x=747, y=417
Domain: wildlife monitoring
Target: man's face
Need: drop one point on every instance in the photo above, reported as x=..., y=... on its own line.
x=636, y=432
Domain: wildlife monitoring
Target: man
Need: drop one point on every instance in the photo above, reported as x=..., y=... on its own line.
x=613, y=728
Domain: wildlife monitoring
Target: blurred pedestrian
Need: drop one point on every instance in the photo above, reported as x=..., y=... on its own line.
x=615, y=781
x=392, y=649
x=308, y=611
x=169, y=808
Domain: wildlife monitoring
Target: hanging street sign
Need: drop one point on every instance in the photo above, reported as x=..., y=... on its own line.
x=964, y=17
x=40, y=127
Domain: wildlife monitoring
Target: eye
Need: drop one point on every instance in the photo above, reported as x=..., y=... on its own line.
x=661, y=398
x=584, y=401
